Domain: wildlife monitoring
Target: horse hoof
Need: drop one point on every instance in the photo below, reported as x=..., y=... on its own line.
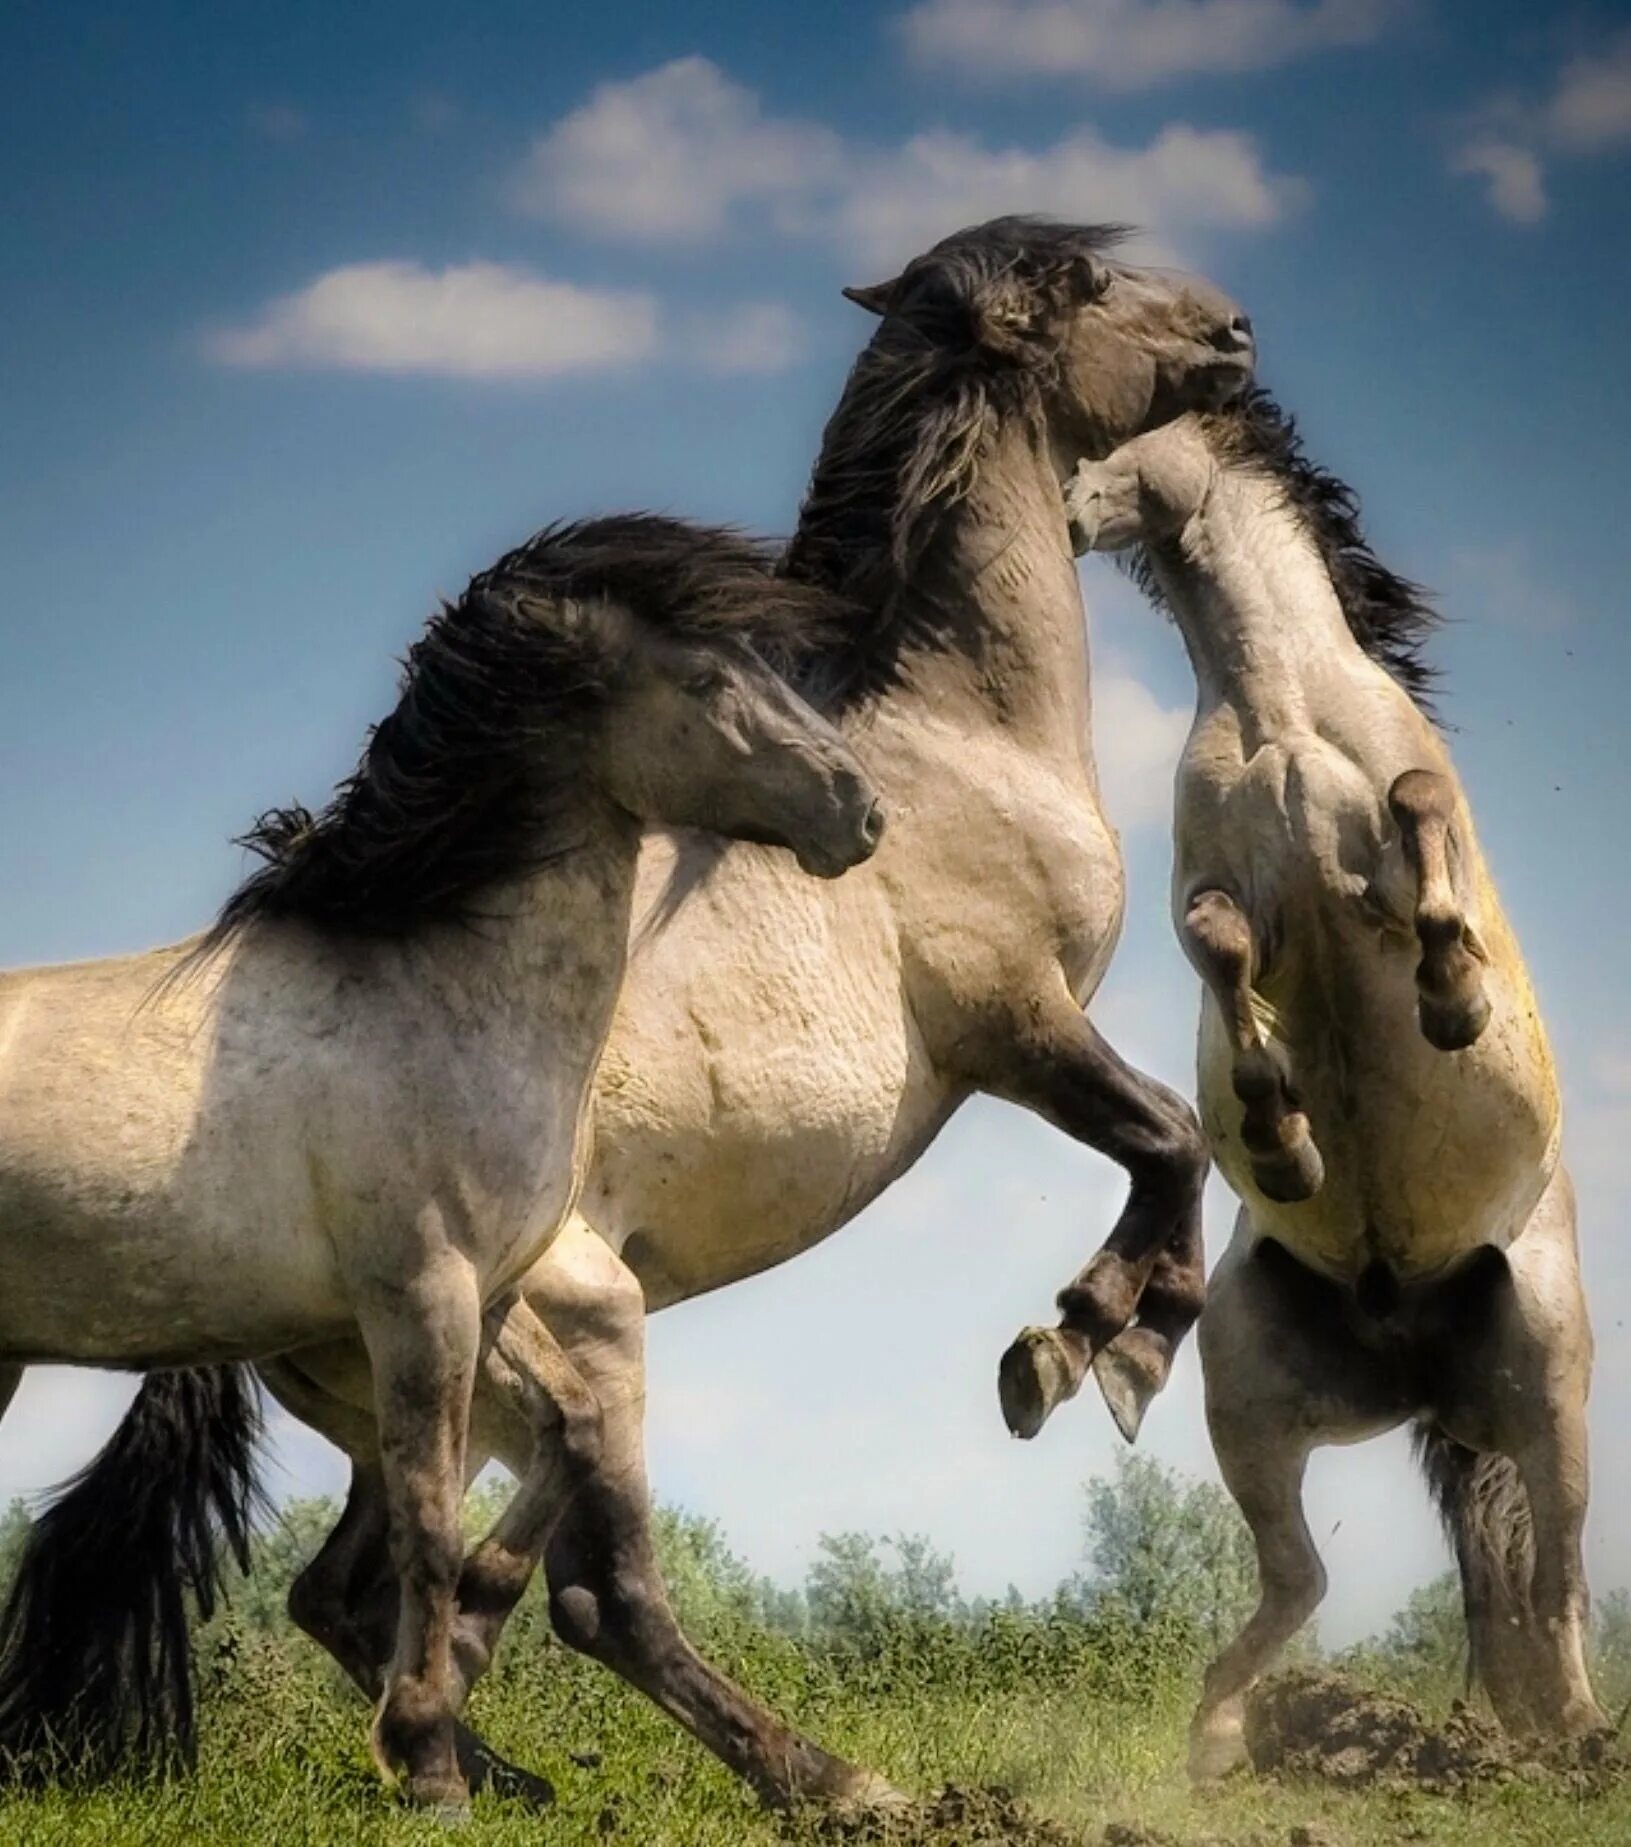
x=1453, y=1025
x=514, y=1784
x=873, y=1796
x=1038, y=1373
x=445, y=1799
x=1215, y=1754
x=1296, y=1170
x=485, y=1772
x=1127, y=1386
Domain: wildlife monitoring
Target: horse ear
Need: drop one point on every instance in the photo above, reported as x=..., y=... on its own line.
x=1089, y=276
x=875, y=299
x=1008, y=317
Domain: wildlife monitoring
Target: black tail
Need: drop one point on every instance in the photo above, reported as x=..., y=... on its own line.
x=1485, y=1510
x=95, y=1656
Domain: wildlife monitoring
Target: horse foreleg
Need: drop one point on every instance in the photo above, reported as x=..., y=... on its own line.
x=423, y=1338
x=347, y=1599
x=1137, y=1364
x=1286, y=1161
x=1451, y=1002
x=1057, y=1064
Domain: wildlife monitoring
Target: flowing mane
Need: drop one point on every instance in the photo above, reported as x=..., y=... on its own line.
x=466, y=784
x=968, y=338
x=1389, y=616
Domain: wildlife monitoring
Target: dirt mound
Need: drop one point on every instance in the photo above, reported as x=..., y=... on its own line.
x=957, y=1817
x=1314, y=1724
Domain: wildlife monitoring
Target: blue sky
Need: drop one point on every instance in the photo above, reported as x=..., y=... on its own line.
x=306, y=312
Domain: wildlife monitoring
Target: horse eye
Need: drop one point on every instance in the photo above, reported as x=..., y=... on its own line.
x=704, y=681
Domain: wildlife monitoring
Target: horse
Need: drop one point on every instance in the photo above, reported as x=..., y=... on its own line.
x=782, y=1051
x=1374, y=1073
x=356, y=1107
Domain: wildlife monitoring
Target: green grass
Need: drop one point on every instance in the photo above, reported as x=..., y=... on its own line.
x=1087, y=1738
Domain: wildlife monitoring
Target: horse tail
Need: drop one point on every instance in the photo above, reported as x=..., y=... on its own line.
x=95, y=1656
x=1485, y=1509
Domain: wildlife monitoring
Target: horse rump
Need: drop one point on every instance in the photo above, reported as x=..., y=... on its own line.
x=95, y=1652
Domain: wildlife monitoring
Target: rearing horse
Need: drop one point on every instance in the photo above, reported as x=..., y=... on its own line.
x=1375, y=1078
x=782, y=1052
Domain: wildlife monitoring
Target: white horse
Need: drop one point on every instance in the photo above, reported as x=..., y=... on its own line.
x=357, y=1106
x=783, y=1050
x=1375, y=1078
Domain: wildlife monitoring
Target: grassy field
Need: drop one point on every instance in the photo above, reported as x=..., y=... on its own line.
x=1086, y=1732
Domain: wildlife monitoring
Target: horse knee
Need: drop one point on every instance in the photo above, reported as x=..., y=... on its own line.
x=610, y=1618
x=1174, y=1158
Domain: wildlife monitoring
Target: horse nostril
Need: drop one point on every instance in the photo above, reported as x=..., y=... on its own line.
x=1236, y=337
x=872, y=825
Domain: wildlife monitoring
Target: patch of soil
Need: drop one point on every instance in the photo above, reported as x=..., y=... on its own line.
x=1132, y=1834
x=956, y=1817
x=1310, y=1723
x=960, y=1817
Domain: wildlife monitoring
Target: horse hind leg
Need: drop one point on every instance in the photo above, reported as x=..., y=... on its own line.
x=1517, y=1379
x=1283, y=1375
x=526, y=1367
x=1286, y=1162
x=1452, y=1004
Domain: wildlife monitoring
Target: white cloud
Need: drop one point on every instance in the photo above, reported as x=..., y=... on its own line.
x=680, y=152
x=1185, y=180
x=667, y=156
x=475, y=320
x=1138, y=742
x=1590, y=110
x=755, y=336
x=1130, y=44
x=1517, y=187
x=1587, y=112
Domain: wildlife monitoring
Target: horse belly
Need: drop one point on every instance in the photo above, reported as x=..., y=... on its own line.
x=744, y=1112
x=1427, y=1155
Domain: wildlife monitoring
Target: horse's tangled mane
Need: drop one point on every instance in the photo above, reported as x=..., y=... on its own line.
x=466, y=784
x=1389, y=616
x=971, y=335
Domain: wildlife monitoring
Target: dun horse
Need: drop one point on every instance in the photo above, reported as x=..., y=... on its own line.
x=357, y=1105
x=1374, y=1075
x=781, y=1051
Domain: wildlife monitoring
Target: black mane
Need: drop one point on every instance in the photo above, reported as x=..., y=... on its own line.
x=969, y=336
x=466, y=784
x=1389, y=616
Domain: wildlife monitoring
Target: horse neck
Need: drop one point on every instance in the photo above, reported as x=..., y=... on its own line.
x=999, y=592
x=1254, y=601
